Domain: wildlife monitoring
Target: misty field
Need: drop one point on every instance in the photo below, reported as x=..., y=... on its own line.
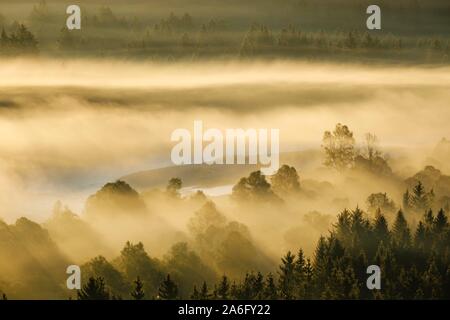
x=86, y=176
x=86, y=123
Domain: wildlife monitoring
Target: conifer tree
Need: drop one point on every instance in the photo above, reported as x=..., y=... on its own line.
x=270, y=289
x=380, y=228
x=440, y=222
x=322, y=265
x=223, y=289
x=446, y=284
x=204, y=293
x=420, y=236
x=419, y=198
x=300, y=275
x=406, y=200
x=432, y=280
x=138, y=292
x=286, y=280
x=385, y=259
x=246, y=290
x=400, y=231
x=258, y=286
x=234, y=290
x=168, y=289
x=4, y=39
x=195, y=294
x=94, y=290
x=309, y=285
x=25, y=40
x=409, y=282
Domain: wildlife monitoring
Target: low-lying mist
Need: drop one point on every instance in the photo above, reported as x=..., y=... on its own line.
x=69, y=127
x=68, y=124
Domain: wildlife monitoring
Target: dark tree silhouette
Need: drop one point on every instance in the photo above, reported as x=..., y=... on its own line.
x=223, y=289
x=286, y=280
x=168, y=289
x=94, y=290
x=253, y=188
x=174, y=186
x=285, y=180
x=138, y=292
x=339, y=147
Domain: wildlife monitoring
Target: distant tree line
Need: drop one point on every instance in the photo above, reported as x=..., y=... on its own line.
x=185, y=36
x=18, y=41
x=182, y=35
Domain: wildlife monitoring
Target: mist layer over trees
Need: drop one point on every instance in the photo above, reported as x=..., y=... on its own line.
x=216, y=257
x=414, y=31
x=85, y=175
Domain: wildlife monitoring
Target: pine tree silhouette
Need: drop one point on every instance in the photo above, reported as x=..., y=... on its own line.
x=223, y=289
x=94, y=290
x=138, y=292
x=168, y=289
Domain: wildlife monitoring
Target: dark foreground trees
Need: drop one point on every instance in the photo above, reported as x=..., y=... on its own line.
x=95, y=289
x=168, y=289
x=414, y=263
x=138, y=292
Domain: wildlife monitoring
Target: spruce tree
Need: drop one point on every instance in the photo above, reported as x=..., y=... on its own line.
x=234, y=291
x=406, y=200
x=446, y=284
x=286, y=280
x=246, y=290
x=441, y=222
x=409, y=282
x=420, y=236
x=204, y=293
x=429, y=220
x=432, y=280
x=270, y=289
x=94, y=290
x=195, y=294
x=4, y=40
x=138, y=292
x=25, y=40
x=385, y=259
x=380, y=228
x=299, y=274
x=400, y=231
x=223, y=289
x=322, y=266
x=309, y=285
x=168, y=289
x=420, y=199
x=258, y=286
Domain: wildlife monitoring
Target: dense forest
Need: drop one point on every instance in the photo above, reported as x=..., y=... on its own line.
x=86, y=117
x=187, y=35
x=221, y=259
x=415, y=265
